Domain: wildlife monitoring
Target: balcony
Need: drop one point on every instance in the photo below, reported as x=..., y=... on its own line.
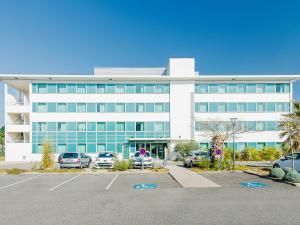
x=17, y=107
x=15, y=127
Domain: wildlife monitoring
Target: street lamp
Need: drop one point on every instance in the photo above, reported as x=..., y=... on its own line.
x=233, y=122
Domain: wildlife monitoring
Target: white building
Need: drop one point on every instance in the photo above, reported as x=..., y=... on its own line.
x=124, y=109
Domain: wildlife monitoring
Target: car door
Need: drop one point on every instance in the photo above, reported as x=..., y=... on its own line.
x=83, y=159
x=297, y=162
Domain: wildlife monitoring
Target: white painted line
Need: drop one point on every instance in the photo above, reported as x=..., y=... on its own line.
x=113, y=180
x=21, y=181
x=73, y=178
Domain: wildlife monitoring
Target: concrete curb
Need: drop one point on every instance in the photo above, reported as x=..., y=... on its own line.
x=271, y=178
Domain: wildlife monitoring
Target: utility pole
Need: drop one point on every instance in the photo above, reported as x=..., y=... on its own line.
x=233, y=121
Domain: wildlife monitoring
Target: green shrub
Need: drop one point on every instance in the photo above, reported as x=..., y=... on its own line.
x=292, y=176
x=185, y=148
x=228, y=154
x=270, y=153
x=287, y=170
x=15, y=171
x=121, y=165
x=203, y=164
x=250, y=154
x=225, y=165
x=47, y=160
x=277, y=173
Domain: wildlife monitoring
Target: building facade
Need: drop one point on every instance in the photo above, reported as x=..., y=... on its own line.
x=125, y=109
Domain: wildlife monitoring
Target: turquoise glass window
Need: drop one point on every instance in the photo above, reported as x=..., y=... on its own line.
x=202, y=88
x=101, y=126
x=213, y=88
x=81, y=126
x=222, y=88
x=91, y=126
x=51, y=107
x=260, y=145
x=149, y=126
x=91, y=107
x=81, y=148
x=34, y=108
x=71, y=88
x=139, y=107
x=110, y=88
x=149, y=107
x=120, y=126
x=159, y=88
x=271, y=126
x=130, y=107
x=120, y=88
x=159, y=107
x=260, y=88
x=61, y=107
x=101, y=89
x=139, y=88
x=81, y=107
x=261, y=107
x=232, y=88
x=101, y=147
x=260, y=125
x=101, y=107
x=71, y=126
x=91, y=148
x=251, y=88
x=279, y=106
x=166, y=88
x=286, y=107
x=42, y=88
x=61, y=126
x=34, y=88
x=232, y=107
x=110, y=107
x=167, y=107
x=81, y=88
x=158, y=126
x=251, y=107
x=270, y=88
x=270, y=107
x=241, y=107
x=120, y=107
x=71, y=107
x=51, y=126
x=130, y=88
x=213, y=107
x=61, y=148
x=287, y=88
x=91, y=88
x=139, y=126
x=241, y=88
x=149, y=88
x=111, y=126
x=251, y=126
x=61, y=88
x=130, y=126
x=222, y=107
x=51, y=88
x=41, y=107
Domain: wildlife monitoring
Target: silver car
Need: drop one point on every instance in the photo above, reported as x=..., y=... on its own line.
x=137, y=161
x=194, y=157
x=74, y=160
x=105, y=160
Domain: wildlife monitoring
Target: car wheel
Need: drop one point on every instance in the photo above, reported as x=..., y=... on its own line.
x=184, y=164
x=276, y=166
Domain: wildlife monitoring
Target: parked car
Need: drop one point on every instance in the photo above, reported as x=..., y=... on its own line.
x=286, y=161
x=137, y=161
x=74, y=160
x=59, y=157
x=194, y=157
x=105, y=160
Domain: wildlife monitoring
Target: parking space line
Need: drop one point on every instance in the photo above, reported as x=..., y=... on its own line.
x=73, y=178
x=113, y=180
x=21, y=181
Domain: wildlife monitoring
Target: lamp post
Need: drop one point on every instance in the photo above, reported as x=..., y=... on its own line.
x=233, y=122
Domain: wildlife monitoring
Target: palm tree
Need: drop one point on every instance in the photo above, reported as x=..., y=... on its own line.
x=290, y=130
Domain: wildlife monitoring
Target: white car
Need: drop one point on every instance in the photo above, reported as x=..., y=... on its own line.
x=105, y=160
x=194, y=157
x=137, y=161
x=286, y=161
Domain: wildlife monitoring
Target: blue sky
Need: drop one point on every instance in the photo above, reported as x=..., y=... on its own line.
x=225, y=37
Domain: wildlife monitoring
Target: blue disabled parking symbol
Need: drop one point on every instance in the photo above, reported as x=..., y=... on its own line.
x=144, y=186
x=254, y=185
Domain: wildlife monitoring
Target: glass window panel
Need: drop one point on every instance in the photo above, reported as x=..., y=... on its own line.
x=241, y=88
x=111, y=126
x=51, y=88
x=242, y=125
x=251, y=126
x=149, y=107
x=139, y=88
x=34, y=88
x=213, y=88
x=91, y=126
x=51, y=107
x=101, y=126
x=260, y=88
x=261, y=107
x=81, y=126
x=110, y=88
x=232, y=88
x=120, y=126
x=61, y=148
x=139, y=126
x=42, y=88
x=41, y=107
x=91, y=107
x=81, y=148
x=241, y=146
x=251, y=88
x=101, y=107
x=279, y=107
x=203, y=107
x=81, y=107
x=271, y=125
x=221, y=107
x=222, y=88
x=232, y=107
x=158, y=126
x=101, y=147
x=61, y=107
x=251, y=107
x=130, y=88
x=91, y=88
x=71, y=88
x=61, y=126
x=139, y=107
x=241, y=107
x=159, y=107
x=203, y=88
x=286, y=87
x=130, y=107
x=286, y=107
x=213, y=107
x=110, y=107
x=42, y=126
x=149, y=88
x=167, y=107
x=81, y=88
x=101, y=88
x=120, y=107
x=260, y=145
x=270, y=88
x=166, y=88
x=130, y=126
x=71, y=126
x=51, y=126
x=71, y=107
x=279, y=88
x=149, y=126
x=120, y=88
x=260, y=125
x=159, y=88
x=270, y=107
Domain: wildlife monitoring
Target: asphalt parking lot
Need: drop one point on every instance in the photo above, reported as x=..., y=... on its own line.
x=47, y=199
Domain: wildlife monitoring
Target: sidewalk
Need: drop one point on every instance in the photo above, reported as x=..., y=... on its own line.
x=187, y=178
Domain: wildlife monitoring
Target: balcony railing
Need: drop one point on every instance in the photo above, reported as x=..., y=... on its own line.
x=17, y=141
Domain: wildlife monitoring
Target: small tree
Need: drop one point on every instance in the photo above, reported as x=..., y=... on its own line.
x=2, y=137
x=47, y=160
x=185, y=148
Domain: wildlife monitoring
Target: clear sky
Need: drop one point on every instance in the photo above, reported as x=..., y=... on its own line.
x=225, y=37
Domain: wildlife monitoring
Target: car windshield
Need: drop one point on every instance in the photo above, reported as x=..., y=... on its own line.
x=106, y=155
x=200, y=153
x=137, y=154
x=70, y=155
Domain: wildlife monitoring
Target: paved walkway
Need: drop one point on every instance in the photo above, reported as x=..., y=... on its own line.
x=187, y=178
